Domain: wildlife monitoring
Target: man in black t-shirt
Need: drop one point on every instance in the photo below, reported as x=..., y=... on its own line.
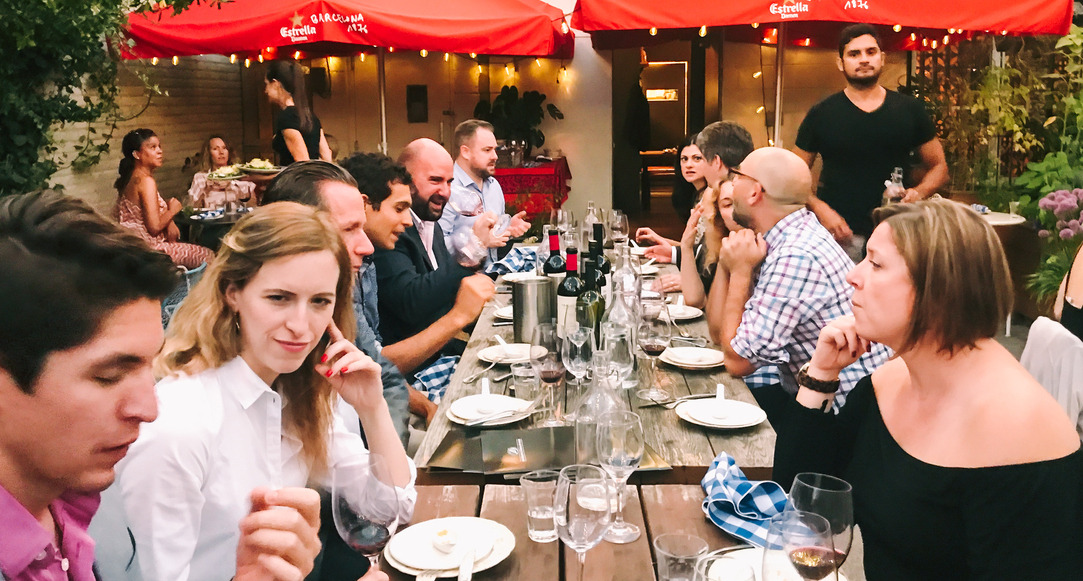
x=863, y=133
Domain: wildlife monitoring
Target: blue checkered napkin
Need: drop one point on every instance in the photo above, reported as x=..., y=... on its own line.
x=434, y=379
x=738, y=506
x=520, y=259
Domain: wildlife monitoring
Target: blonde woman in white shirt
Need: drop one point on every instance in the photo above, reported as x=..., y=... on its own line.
x=253, y=361
x=214, y=155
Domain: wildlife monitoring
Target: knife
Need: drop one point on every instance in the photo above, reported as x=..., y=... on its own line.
x=466, y=568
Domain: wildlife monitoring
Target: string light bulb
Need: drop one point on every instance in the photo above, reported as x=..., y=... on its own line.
x=479, y=68
x=390, y=49
x=934, y=44
x=759, y=109
x=154, y=61
x=924, y=42
x=951, y=31
x=447, y=56
x=233, y=59
x=755, y=25
x=897, y=28
x=537, y=62
x=175, y=60
x=261, y=57
x=913, y=36
x=1003, y=33
x=247, y=63
x=757, y=74
x=362, y=57
x=703, y=31
x=507, y=69
x=296, y=55
x=946, y=39
x=653, y=31
x=473, y=55
x=424, y=53
x=563, y=27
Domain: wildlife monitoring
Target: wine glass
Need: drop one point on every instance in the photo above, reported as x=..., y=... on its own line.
x=652, y=336
x=799, y=542
x=545, y=358
x=562, y=219
x=618, y=343
x=618, y=224
x=832, y=499
x=577, y=352
x=364, y=504
x=581, y=510
x=620, y=450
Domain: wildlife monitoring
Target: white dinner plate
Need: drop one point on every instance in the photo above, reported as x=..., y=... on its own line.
x=412, y=550
x=260, y=170
x=648, y=270
x=728, y=414
x=504, y=313
x=692, y=357
x=1002, y=219
x=506, y=354
x=475, y=406
x=684, y=312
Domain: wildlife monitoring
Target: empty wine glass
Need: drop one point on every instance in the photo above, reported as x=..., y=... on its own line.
x=364, y=504
x=652, y=336
x=577, y=352
x=545, y=358
x=620, y=450
x=799, y=542
x=832, y=499
x=618, y=224
x=581, y=510
x=562, y=219
x=618, y=341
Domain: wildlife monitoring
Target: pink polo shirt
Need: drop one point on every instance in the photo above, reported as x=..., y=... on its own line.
x=27, y=552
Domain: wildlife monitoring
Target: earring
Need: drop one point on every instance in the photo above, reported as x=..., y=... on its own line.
x=237, y=323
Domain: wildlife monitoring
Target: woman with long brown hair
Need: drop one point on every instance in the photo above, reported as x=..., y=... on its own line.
x=298, y=135
x=253, y=361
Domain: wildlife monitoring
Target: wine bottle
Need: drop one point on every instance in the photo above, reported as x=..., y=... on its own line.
x=599, y=255
x=554, y=265
x=568, y=291
x=590, y=305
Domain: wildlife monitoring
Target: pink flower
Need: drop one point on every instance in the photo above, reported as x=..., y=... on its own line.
x=1066, y=234
x=1043, y=233
x=1047, y=203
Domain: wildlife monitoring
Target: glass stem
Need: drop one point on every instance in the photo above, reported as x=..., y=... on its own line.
x=558, y=401
x=618, y=519
x=374, y=562
x=582, y=563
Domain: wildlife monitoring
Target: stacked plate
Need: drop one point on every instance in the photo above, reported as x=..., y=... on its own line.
x=504, y=313
x=473, y=407
x=506, y=354
x=683, y=312
x=441, y=544
x=715, y=413
x=692, y=357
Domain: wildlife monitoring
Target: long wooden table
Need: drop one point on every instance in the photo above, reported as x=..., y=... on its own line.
x=687, y=448
x=656, y=509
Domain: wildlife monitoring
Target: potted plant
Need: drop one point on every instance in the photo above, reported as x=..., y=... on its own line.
x=517, y=117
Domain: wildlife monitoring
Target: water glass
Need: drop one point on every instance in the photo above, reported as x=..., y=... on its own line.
x=524, y=383
x=540, y=488
x=677, y=555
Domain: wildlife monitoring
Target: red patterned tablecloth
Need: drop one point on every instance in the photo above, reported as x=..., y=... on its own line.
x=535, y=190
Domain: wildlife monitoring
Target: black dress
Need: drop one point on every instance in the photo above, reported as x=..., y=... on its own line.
x=921, y=521
x=288, y=118
x=1071, y=316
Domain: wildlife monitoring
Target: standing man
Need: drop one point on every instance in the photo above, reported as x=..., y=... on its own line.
x=863, y=133
x=779, y=281
x=474, y=188
x=80, y=326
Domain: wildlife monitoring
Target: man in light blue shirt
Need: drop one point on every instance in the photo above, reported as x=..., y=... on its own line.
x=474, y=189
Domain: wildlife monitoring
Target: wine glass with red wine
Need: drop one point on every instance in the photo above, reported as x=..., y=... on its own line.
x=365, y=504
x=545, y=346
x=830, y=498
x=799, y=542
x=652, y=337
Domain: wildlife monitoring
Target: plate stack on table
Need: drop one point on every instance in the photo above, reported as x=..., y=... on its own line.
x=692, y=358
x=442, y=544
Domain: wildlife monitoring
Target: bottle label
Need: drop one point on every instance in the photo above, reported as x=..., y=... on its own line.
x=566, y=314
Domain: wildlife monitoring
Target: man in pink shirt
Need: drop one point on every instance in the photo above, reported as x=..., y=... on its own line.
x=79, y=326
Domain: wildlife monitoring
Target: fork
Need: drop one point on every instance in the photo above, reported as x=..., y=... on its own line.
x=475, y=376
x=429, y=575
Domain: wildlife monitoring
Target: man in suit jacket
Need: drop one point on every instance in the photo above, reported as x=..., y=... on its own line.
x=418, y=279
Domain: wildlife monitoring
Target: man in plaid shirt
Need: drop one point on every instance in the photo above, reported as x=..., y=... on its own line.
x=781, y=280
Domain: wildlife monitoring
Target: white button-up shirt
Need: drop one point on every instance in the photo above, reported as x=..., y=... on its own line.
x=185, y=483
x=425, y=230
x=464, y=194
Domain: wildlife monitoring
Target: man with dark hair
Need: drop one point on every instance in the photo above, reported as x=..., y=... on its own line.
x=474, y=188
x=863, y=133
x=779, y=281
x=723, y=145
x=419, y=280
x=386, y=188
x=78, y=332
x=322, y=184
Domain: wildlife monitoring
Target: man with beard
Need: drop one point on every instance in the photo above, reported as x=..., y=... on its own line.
x=863, y=133
x=474, y=188
x=780, y=280
x=418, y=279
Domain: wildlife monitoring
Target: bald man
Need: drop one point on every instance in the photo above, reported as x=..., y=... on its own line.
x=781, y=280
x=417, y=279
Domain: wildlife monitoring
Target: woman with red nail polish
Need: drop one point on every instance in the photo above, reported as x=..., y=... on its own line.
x=254, y=362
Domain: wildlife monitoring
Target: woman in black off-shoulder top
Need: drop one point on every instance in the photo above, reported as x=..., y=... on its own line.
x=962, y=466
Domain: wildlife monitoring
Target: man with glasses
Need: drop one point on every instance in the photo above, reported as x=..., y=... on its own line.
x=779, y=281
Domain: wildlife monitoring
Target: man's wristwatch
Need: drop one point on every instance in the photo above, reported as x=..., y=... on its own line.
x=817, y=385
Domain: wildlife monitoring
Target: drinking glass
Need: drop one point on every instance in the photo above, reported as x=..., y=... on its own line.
x=830, y=498
x=677, y=554
x=618, y=224
x=577, y=352
x=719, y=566
x=523, y=381
x=652, y=336
x=562, y=219
x=581, y=510
x=364, y=504
x=545, y=358
x=465, y=247
x=620, y=450
x=618, y=344
x=540, y=487
x=799, y=542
